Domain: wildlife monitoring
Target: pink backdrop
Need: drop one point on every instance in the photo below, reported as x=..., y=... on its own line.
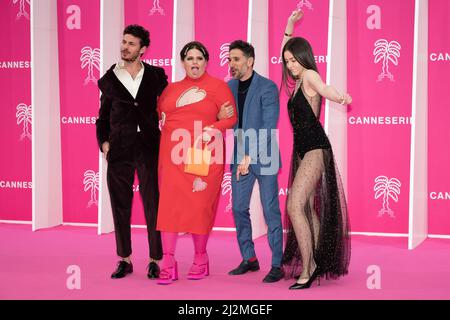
x=380, y=49
x=216, y=31
x=438, y=117
x=15, y=112
x=79, y=62
x=159, y=21
x=378, y=152
x=314, y=28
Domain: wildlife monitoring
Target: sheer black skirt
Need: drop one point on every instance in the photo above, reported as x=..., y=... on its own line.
x=331, y=245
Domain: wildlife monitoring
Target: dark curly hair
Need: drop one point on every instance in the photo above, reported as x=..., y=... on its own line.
x=138, y=32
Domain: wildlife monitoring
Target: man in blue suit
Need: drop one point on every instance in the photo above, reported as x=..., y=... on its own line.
x=256, y=157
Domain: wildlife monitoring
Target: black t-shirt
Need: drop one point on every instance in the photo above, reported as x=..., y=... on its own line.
x=242, y=94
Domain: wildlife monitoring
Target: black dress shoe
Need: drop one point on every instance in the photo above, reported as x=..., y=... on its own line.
x=123, y=268
x=244, y=267
x=153, y=270
x=275, y=274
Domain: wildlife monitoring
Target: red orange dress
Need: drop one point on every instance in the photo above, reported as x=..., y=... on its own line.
x=188, y=202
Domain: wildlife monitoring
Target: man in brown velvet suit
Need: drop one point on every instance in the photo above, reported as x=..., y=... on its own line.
x=128, y=134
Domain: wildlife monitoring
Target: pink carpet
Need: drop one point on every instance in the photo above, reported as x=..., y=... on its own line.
x=34, y=266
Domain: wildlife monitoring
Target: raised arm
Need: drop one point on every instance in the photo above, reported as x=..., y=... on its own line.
x=295, y=16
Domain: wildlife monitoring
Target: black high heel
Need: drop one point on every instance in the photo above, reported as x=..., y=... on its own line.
x=306, y=285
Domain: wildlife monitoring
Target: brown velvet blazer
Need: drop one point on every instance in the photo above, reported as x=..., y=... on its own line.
x=120, y=113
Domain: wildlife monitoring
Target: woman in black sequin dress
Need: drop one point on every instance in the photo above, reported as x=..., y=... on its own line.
x=317, y=241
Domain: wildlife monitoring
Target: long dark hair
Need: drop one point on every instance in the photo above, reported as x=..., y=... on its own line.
x=302, y=52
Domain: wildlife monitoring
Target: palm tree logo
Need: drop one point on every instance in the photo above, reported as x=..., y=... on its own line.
x=156, y=8
x=22, y=11
x=91, y=182
x=388, y=52
x=224, y=55
x=304, y=3
x=90, y=58
x=23, y=115
x=226, y=188
x=388, y=188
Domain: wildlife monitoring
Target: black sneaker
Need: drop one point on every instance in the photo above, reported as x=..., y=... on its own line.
x=245, y=267
x=275, y=274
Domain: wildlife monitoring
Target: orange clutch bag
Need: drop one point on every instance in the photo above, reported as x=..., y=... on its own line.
x=198, y=160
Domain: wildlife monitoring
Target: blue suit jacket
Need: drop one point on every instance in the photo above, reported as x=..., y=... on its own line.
x=259, y=125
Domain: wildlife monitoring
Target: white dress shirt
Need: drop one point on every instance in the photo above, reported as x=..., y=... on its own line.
x=127, y=80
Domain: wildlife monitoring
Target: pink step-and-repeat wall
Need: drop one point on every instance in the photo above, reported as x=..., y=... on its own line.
x=380, y=65
x=15, y=112
x=438, y=117
x=380, y=62
x=79, y=65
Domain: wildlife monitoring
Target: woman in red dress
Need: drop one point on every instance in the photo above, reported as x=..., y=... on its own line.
x=188, y=202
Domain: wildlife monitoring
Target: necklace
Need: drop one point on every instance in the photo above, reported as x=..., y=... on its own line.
x=297, y=86
x=300, y=80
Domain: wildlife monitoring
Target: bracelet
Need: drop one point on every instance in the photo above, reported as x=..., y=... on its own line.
x=287, y=35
